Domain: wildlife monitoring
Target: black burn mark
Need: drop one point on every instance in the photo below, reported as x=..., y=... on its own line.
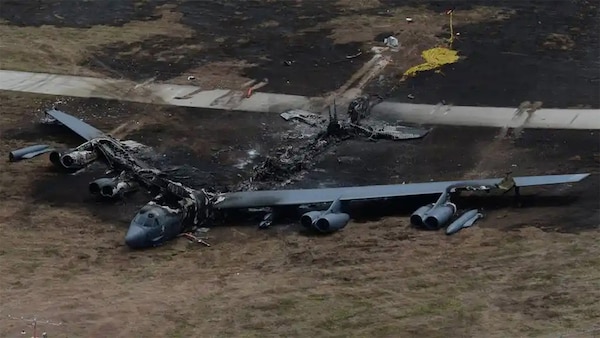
x=78, y=14
x=268, y=35
x=511, y=61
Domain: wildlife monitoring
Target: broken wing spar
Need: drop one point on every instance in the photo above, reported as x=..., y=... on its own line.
x=266, y=198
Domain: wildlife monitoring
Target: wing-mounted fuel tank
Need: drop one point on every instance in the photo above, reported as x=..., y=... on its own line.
x=28, y=152
x=465, y=220
x=112, y=187
x=326, y=221
x=74, y=159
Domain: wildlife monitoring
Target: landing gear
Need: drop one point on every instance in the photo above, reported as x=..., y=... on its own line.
x=517, y=199
x=267, y=220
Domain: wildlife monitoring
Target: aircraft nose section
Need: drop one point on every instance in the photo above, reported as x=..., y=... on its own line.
x=135, y=237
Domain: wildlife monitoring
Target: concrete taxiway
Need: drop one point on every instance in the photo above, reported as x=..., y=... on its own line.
x=526, y=116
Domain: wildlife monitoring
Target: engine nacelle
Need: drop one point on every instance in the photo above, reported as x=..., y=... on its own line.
x=308, y=219
x=331, y=222
x=111, y=187
x=98, y=185
x=74, y=159
x=437, y=217
x=417, y=217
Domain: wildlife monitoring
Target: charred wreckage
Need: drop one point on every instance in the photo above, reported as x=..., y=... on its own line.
x=177, y=209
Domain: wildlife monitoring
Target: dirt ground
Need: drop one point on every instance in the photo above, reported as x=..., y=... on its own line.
x=528, y=271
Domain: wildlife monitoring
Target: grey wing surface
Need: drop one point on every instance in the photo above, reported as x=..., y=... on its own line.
x=266, y=198
x=76, y=125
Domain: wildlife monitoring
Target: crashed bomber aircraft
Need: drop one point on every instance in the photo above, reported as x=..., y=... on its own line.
x=176, y=209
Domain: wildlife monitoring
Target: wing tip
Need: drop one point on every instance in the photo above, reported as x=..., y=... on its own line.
x=579, y=177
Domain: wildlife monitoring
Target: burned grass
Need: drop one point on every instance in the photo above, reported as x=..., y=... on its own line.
x=544, y=51
x=51, y=47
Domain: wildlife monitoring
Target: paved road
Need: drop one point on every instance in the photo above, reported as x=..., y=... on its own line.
x=191, y=96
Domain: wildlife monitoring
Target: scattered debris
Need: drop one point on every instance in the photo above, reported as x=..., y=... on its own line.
x=525, y=108
x=259, y=85
x=49, y=120
x=391, y=42
x=252, y=154
x=354, y=55
x=288, y=164
x=191, y=77
x=409, y=19
x=380, y=130
x=195, y=239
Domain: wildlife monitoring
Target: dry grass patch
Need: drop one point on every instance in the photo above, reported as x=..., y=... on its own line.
x=358, y=4
x=216, y=75
x=61, y=49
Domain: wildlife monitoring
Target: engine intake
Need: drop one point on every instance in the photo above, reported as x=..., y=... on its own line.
x=323, y=221
x=111, y=187
x=437, y=217
x=332, y=222
x=308, y=219
x=74, y=159
x=419, y=215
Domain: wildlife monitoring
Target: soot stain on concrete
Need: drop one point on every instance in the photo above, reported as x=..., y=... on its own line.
x=546, y=51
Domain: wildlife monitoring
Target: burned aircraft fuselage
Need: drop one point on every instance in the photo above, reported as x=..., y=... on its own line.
x=176, y=210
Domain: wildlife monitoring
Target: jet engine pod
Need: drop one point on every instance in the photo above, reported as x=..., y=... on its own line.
x=111, y=187
x=437, y=217
x=73, y=159
x=418, y=216
x=55, y=156
x=78, y=159
x=309, y=218
x=120, y=188
x=98, y=186
x=331, y=222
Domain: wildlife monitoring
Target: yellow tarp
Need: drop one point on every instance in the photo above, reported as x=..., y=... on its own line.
x=434, y=59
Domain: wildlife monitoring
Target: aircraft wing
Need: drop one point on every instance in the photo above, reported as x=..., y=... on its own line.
x=79, y=127
x=267, y=198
